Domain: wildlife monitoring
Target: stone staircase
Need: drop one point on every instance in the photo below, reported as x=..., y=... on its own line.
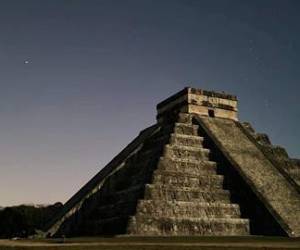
x=169, y=187
x=186, y=195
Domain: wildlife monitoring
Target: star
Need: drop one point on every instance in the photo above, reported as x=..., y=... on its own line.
x=267, y=103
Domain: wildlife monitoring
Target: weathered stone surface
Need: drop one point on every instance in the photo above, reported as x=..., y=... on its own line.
x=186, y=153
x=149, y=225
x=184, y=180
x=192, y=209
x=187, y=166
x=186, y=140
x=185, y=129
x=280, y=196
x=200, y=102
x=276, y=154
x=169, y=193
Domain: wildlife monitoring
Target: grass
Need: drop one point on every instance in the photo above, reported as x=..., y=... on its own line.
x=154, y=243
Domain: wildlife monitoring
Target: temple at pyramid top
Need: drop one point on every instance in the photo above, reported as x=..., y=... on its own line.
x=201, y=102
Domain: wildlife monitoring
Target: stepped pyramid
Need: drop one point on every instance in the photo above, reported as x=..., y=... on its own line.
x=197, y=171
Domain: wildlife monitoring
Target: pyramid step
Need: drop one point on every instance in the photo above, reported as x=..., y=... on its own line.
x=295, y=176
x=184, y=118
x=187, y=166
x=147, y=225
x=169, y=193
x=294, y=172
x=186, y=152
x=186, y=129
x=290, y=166
x=191, y=209
x=187, y=180
x=186, y=140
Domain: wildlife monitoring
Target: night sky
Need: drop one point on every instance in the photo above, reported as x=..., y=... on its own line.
x=80, y=79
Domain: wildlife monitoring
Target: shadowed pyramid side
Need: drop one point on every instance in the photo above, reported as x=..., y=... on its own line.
x=74, y=204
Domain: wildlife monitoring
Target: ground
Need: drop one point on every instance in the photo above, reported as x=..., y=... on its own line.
x=152, y=243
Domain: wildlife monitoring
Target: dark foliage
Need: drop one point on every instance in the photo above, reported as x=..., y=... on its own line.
x=23, y=220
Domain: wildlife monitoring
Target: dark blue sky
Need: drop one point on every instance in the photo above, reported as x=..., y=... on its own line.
x=80, y=79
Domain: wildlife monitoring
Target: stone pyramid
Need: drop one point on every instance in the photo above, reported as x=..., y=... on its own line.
x=197, y=171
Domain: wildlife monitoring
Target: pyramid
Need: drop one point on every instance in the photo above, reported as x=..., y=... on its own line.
x=197, y=171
